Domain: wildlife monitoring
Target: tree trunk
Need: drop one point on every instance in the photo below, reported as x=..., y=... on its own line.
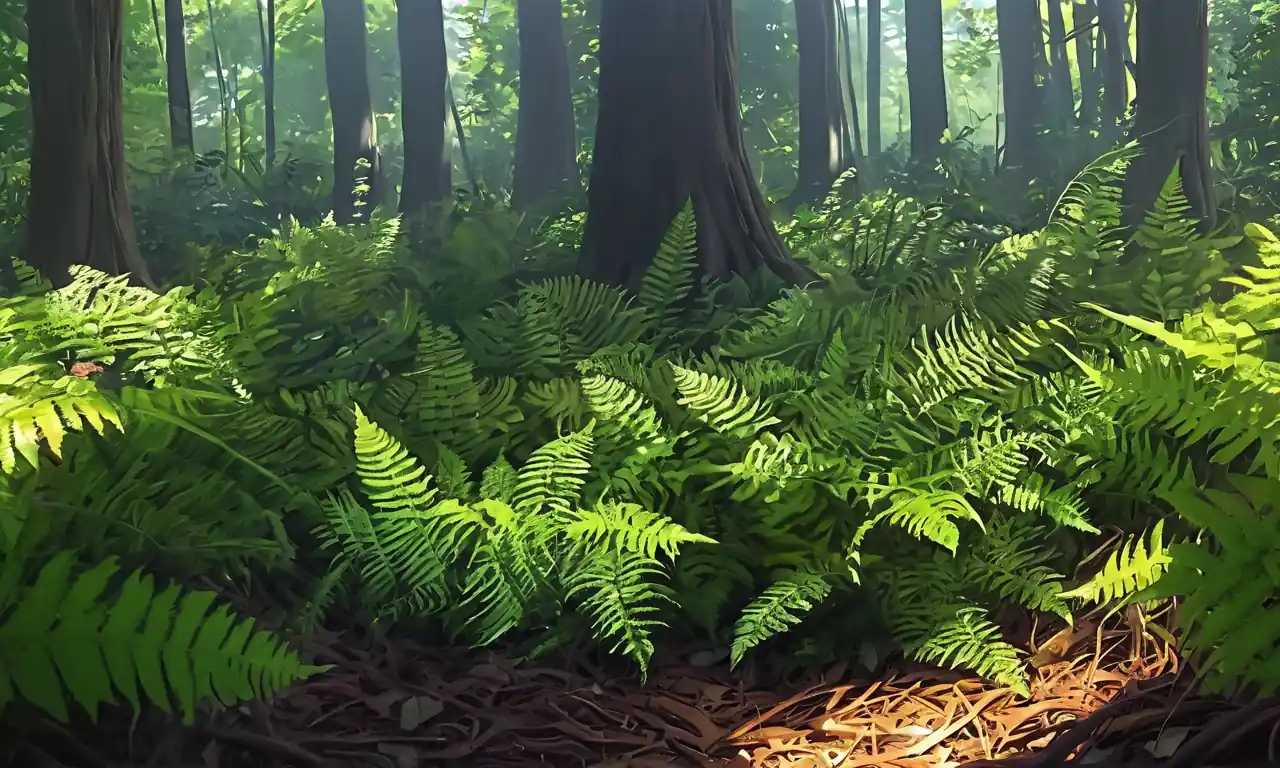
x=180, y=133
x=1083, y=14
x=875, y=48
x=669, y=129
x=1115, y=80
x=546, y=168
x=355, y=154
x=267, y=31
x=1018, y=26
x=1171, y=119
x=826, y=148
x=1061, y=95
x=926, y=83
x=79, y=201
x=424, y=83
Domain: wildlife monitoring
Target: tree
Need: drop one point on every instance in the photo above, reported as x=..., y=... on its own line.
x=79, y=211
x=267, y=33
x=1083, y=15
x=875, y=47
x=1061, y=96
x=926, y=76
x=1171, y=120
x=669, y=129
x=179, y=88
x=826, y=142
x=1018, y=27
x=424, y=84
x=546, y=145
x=1115, y=76
x=355, y=154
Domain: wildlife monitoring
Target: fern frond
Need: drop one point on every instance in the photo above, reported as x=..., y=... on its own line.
x=777, y=610
x=1134, y=566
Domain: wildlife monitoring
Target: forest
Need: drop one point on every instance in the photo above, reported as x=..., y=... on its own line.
x=815, y=383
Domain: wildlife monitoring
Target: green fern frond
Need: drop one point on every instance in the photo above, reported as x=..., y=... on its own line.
x=972, y=641
x=630, y=528
x=39, y=407
x=618, y=591
x=669, y=278
x=1011, y=562
x=551, y=481
x=67, y=635
x=777, y=610
x=1134, y=566
x=722, y=403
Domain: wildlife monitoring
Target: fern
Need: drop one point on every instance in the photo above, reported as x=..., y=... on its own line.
x=775, y=611
x=669, y=279
x=1134, y=566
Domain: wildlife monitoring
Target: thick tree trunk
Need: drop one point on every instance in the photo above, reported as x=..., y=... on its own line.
x=1018, y=25
x=178, y=86
x=267, y=31
x=1171, y=121
x=669, y=129
x=875, y=48
x=926, y=83
x=546, y=146
x=1083, y=15
x=355, y=155
x=79, y=202
x=826, y=147
x=1115, y=80
x=424, y=83
x=1062, y=98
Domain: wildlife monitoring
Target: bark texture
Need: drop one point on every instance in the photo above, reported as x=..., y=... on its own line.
x=926, y=83
x=875, y=48
x=669, y=129
x=1018, y=24
x=424, y=83
x=546, y=168
x=826, y=140
x=179, y=87
x=1084, y=14
x=1062, y=98
x=347, y=75
x=79, y=209
x=1171, y=121
x=267, y=31
x=1115, y=80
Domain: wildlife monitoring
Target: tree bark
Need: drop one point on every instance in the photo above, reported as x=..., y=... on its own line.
x=424, y=83
x=347, y=75
x=179, y=87
x=1115, y=80
x=267, y=31
x=1083, y=14
x=669, y=129
x=826, y=148
x=1062, y=96
x=1018, y=25
x=875, y=49
x=1171, y=120
x=79, y=210
x=546, y=166
x=926, y=77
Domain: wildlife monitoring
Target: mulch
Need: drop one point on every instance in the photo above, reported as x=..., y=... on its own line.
x=1103, y=696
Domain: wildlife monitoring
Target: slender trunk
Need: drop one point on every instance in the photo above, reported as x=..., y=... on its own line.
x=224, y=92
x=669, y=130
x=850, y=102
x=546, y=147
x=926, y=77
x=267, y=31
x=155, y=27
x=1115, y=80
x=1083, y=15
x=1018, y=25
x=79, y=209
x=875, y=47
x=825, y=144
x=1171, y=118
x=424, y=83
x=178, y=85
x=1062, y=97
x=355, y=154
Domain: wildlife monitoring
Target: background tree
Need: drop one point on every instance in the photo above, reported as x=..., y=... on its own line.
x=1171, y=119
x=355, y=154
x=1061, y=96
x=267, y=32
x=424, y=77
x=546, y=147
x=875, y=47
x=1115, y=75
x=926, y=76
x=179, y=89
x=1084, y=14
x=79, y=211
x=1019, y=29
x=826, y=140
x=669, y=130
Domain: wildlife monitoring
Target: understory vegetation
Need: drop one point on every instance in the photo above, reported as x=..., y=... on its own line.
x=435, y=424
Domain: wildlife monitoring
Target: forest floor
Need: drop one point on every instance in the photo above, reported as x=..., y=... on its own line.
x=1116, y=689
